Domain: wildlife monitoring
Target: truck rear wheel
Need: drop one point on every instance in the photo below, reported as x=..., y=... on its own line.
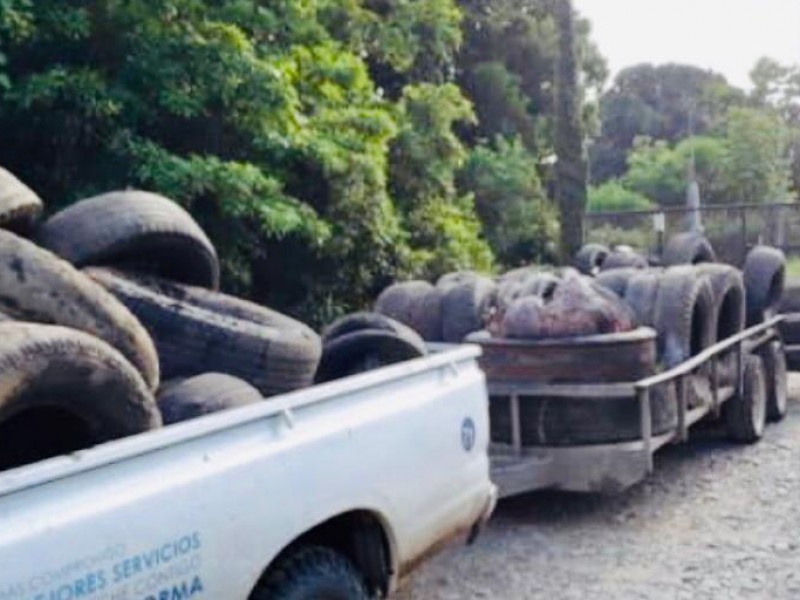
x=312, y=573
x=746, y=415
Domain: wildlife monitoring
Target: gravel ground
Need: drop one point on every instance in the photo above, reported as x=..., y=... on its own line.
x=715, y=520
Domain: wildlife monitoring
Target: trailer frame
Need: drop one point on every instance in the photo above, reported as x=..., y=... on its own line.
x=611, y=467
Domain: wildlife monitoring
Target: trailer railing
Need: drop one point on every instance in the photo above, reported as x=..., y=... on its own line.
x=572, y=467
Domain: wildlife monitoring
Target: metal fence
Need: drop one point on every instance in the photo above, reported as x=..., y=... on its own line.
x=732, y=229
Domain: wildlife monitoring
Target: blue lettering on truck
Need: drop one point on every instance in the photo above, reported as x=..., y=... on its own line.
x=144, y=561
x=182, y=591
x=169, y=571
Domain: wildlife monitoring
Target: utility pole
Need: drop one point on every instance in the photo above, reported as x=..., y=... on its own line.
x=571, y=169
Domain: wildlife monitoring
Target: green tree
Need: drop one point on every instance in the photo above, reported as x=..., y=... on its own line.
x=613, y=196
x=758, y=168
x=520, y=223
x=668, y=102
x=262, y=118
x=426, y=156
x=660, y=172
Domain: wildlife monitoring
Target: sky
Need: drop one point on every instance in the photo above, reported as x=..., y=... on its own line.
x=727, y=36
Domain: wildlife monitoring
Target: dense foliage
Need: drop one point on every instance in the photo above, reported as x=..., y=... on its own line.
x=319, y=143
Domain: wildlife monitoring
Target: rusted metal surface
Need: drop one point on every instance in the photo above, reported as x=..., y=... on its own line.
x=618, y=357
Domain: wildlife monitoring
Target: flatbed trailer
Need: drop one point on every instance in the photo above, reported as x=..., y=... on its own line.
x=518, y=469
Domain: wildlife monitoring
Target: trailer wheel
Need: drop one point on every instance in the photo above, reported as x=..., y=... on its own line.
x=312, y=573
x=746, y=415
x=775, y=369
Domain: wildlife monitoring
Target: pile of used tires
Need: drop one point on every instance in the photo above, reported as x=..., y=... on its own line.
x=619, y=321
x=111, y=324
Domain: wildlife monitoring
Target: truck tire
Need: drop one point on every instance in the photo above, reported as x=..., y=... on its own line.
x=620, y=260
x=688, y=249
x=445, y=282
x=19, y=205
x=364, y=321
x=727, y=285
x=365, y=350
x=465, y=307
x=217, y=302
x=590, y=258
x=775, y=370
x=746, y=415
x=764, y=278
x=417, y=304
x=641, y=293
x=616, y=280
x=37, y=286
x=312, y=573
x=64, y=390
x=139, y=230
x=185, y=399
x=684, y=315
x=274, y=353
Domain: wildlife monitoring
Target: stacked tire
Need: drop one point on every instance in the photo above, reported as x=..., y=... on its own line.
x=114, y=295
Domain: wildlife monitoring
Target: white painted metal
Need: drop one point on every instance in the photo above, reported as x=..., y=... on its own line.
x=210, y=503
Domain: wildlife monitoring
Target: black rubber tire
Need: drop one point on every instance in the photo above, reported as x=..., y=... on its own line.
x=37, y=286
x=417, y=304
x=620, y=260
x=746, y=415
x=688, y=249
x=570, y=421
x=641, y=293
x=312, y=573
x=790, y=303
x=365, y=350
x=269, y=350
x=790, y=332
x=361, y=321
x=19, y=205
x=590, y=258
x=445, y=282
x=727, y=285
x=684, y=315
x=184, y=399
x=776, y=373
x=135, y=230
x=64, y=390
x=465, y=308
x=764, y=279
x=616, y=280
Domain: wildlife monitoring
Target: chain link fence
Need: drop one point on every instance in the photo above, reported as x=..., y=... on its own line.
x=731, y=229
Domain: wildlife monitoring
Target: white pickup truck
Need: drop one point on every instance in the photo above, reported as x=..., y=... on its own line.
x=337, y=491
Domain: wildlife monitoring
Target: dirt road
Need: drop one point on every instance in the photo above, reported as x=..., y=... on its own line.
x=716, y=520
